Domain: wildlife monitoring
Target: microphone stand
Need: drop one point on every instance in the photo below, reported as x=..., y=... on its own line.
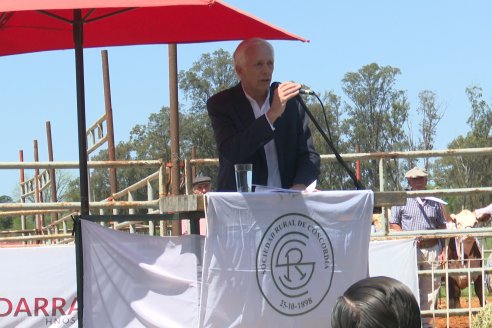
x=339, y=158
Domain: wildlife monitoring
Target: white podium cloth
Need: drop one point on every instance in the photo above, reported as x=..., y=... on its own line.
x=258, y=258
x=282, y=259
x=139, y=281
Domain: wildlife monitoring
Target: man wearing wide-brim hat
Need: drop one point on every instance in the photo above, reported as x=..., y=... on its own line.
x=422, y=213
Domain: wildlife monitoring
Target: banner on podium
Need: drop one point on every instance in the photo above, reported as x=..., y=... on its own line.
x=139, y=281
x=282, y=259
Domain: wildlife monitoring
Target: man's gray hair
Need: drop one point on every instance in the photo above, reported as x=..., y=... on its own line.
x=241, y=50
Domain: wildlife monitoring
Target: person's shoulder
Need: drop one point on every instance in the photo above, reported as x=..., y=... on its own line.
x=225, y=95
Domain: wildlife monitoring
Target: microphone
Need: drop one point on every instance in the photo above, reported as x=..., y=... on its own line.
x=301, y=91
x=306, y=92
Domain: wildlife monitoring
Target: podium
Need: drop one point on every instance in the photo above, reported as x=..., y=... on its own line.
x=282, y=259
x=268, y=260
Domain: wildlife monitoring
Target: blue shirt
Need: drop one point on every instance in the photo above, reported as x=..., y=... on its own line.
x=418, y=214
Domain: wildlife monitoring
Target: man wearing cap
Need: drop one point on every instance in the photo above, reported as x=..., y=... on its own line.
x=422, y=214
x=201, y=185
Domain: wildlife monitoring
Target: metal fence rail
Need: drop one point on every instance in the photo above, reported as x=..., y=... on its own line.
x=157, y=184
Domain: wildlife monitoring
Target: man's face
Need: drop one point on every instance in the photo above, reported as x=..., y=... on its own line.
x=418, y=183
x=255, y=72
x=201, y=188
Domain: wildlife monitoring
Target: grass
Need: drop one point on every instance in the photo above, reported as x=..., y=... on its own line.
x=483, y=319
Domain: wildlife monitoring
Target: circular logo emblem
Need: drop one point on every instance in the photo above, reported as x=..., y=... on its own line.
x=294, y=264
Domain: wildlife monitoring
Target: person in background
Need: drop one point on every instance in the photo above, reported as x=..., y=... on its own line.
x=201, y=185
x=483, y=213
x=421, y=213
x=376, y=302
x=262, y=124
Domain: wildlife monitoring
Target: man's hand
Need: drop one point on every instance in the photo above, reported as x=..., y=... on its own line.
x=282, y=94
x=481, y=215
x=442, y=257
x=298, y=186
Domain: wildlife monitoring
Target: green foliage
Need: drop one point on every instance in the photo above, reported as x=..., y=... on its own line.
x=100, y=187
x=209, y=75
x=149, y=141
x=431, y=115
x=72, y=193
x=212, y=73
x=333, y=176
x=377, y=110
x=480, y=119
x=464, y=172
x=6, y=223
x=483, y=319
x=372, y=113
x=376, y=113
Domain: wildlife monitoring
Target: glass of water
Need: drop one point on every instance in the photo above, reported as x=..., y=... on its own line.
x=244, y=177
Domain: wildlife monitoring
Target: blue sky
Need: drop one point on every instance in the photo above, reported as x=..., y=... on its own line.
x=442, y=46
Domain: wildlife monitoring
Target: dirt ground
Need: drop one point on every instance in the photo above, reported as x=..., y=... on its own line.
x=457, y=321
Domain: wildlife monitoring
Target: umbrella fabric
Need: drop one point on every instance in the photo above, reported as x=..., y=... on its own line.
x=33, y=25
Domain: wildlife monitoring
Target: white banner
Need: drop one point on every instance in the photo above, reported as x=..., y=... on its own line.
x=282, y=259
x=38, y=287
x=396, y=259
x=143, y=281
x=139, y=281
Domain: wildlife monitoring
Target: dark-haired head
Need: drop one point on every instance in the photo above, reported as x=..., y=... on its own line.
x=381, y=302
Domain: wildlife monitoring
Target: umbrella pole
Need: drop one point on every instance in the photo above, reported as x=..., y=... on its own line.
x=78, y=38
x=79, y=72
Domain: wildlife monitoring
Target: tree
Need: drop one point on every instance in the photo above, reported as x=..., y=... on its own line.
x=72, y=192
x=480, y=119
x=212, y=73
x=63, y=181
x=328, y=113
x=431, y=115
x=99, y=180
x=140, y=147
x=468, y=171
x=6, y=223
x=376, y=114
x=150, y=141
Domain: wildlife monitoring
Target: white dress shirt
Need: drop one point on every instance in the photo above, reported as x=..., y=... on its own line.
x=270, y=148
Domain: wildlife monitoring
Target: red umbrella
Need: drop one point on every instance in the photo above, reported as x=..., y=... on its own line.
x=34, y=25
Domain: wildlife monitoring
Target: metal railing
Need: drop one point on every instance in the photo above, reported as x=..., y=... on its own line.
x=159, y=180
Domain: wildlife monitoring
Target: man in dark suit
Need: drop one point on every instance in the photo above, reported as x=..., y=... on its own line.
x=264, y=125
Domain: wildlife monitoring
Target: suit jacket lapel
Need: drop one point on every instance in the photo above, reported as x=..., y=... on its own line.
x=279, y=143
x=246, y=115
x=243, y=107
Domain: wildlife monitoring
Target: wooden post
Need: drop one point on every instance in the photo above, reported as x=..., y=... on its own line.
x=357, y=163
x=174, y=128
x=54, y=198
x=22, y=188
x=109, y=122
x=193, y=169
x=37, y=193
